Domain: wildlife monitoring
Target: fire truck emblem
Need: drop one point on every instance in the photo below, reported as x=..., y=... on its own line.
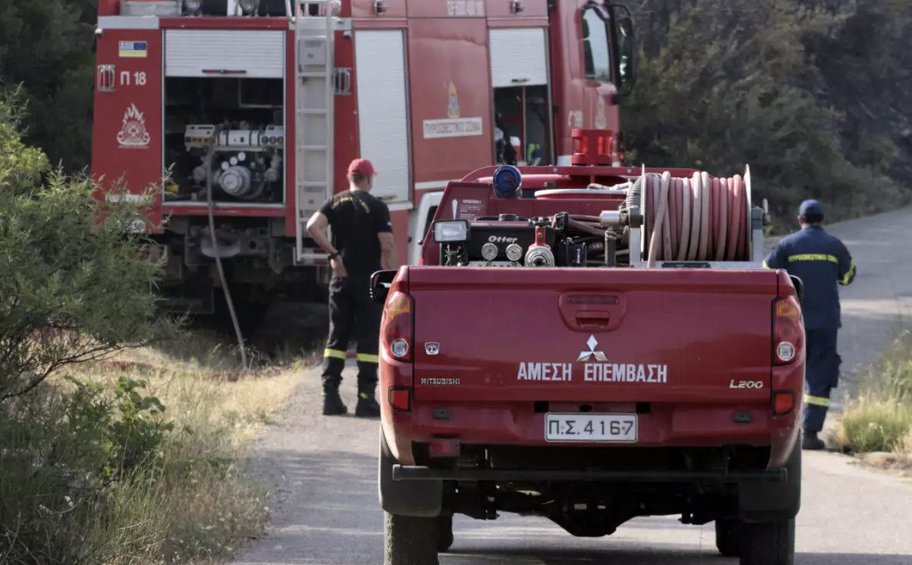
x=453, y=109
x=133, y=133
x=585, y=356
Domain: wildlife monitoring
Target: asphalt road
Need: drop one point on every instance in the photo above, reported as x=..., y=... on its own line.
x=325, y=506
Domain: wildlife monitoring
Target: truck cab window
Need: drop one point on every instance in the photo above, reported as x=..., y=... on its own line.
x=596, y=46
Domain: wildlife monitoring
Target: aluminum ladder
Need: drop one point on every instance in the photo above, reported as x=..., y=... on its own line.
x=315, y=24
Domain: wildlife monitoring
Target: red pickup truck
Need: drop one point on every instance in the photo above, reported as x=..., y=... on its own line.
x=544, y=359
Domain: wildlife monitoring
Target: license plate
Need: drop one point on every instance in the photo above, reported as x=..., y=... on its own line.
x=621, y=428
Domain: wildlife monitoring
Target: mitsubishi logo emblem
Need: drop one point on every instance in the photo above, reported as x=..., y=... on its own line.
x=585, y=356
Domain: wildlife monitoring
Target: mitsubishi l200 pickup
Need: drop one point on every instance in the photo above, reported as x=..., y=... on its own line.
x=591, y=344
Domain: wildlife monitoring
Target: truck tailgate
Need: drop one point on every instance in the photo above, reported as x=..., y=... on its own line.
x=592, y=335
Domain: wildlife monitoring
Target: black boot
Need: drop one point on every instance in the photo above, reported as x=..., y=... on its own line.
x=332, y=402
x=811, y=442
x=367, y=406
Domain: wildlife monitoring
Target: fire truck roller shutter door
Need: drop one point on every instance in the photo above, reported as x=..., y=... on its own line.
x=383, y=111
x=210, y=53
x=518, y=57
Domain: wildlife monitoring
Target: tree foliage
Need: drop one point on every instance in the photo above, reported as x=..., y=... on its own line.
x=47, y=46
x=728, y=83
x=74, y=284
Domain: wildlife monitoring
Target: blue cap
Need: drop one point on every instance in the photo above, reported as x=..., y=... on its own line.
x=811, y=208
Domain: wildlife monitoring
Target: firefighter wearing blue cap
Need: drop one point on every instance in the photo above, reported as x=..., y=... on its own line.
x=822, y=262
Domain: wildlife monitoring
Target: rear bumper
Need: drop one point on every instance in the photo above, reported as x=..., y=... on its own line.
x=521, y=425
x=413, y=473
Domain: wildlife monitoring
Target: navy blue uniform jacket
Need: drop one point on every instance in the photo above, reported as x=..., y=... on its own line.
x=822, y=262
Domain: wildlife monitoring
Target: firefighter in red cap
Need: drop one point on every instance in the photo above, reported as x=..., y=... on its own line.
x=362, y=243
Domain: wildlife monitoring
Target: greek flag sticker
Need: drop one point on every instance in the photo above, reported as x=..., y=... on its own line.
x=133, y=49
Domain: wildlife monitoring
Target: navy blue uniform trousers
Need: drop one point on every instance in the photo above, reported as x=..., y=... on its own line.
x=822, y=375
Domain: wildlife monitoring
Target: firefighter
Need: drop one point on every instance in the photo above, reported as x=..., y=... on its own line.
x=821, y=261
x=362, y=243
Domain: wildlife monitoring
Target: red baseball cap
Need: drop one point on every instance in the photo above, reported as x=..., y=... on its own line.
x=363, y=167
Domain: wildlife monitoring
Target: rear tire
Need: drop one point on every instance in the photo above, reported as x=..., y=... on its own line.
x=409, y=540
x=444, y=533
x=727, y=537
x=770, y=543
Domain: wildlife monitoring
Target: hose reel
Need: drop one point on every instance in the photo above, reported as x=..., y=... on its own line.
x=697, y=218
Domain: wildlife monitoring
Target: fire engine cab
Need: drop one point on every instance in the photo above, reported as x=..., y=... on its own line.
x=250, y=110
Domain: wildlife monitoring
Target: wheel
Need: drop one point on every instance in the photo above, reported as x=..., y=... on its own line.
x=727, y=532
x=771, y=543
x=444, y=533
x=409, y=540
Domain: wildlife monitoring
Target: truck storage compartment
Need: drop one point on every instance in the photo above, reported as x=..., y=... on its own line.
x=225, y=92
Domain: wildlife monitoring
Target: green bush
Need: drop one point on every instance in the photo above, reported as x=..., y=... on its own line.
x=881, y=419
x=127, y=431
x=100, y=476
x=75, y=286
x=874, y=424
x=895, y=370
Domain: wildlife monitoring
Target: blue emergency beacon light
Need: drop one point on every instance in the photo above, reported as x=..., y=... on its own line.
x=507, y=181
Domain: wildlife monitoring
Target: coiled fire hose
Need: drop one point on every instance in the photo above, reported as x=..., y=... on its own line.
x=700, y=218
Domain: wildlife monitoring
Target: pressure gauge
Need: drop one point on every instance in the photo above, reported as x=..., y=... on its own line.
x=514, y=252
x=489, y=251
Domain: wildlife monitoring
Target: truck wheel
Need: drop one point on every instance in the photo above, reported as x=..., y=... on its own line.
x=409, y=540
x=727, y=532
x=770, y=543
x=444, y=533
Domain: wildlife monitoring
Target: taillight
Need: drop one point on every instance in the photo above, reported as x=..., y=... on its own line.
x=783, y=402
x=788, y=332
x=396, y=328
x=400, y=398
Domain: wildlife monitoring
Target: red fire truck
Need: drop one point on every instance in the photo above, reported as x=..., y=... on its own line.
x=250, y=110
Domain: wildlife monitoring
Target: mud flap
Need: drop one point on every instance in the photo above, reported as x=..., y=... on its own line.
x=406, y=498
x=771, y=502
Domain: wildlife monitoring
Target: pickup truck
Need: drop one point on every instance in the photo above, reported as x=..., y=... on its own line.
x=543, y=360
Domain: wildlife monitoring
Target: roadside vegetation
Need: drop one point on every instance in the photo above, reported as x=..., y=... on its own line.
x=880, y=419
x=121, y=436
x=135, y=459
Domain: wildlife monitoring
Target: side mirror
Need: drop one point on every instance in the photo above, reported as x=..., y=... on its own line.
x=799, y=287
x=624, y=48
x=380, y=283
